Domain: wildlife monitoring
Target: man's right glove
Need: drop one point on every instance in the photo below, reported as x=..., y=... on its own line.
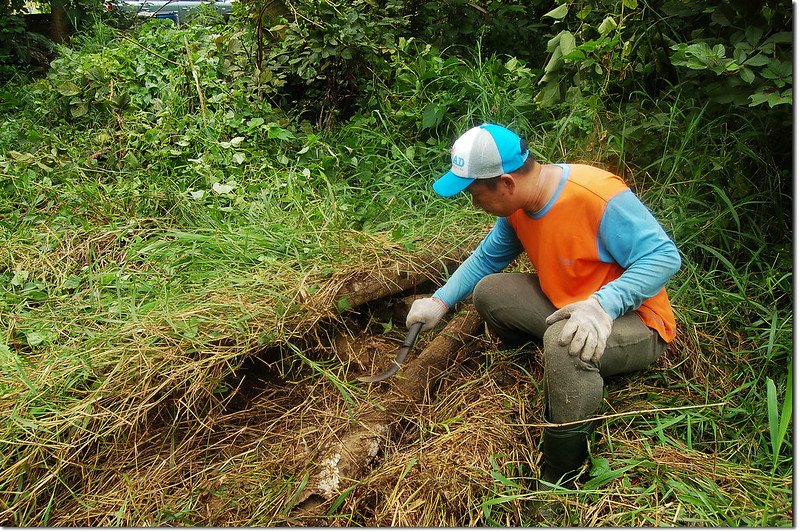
x=428, y=310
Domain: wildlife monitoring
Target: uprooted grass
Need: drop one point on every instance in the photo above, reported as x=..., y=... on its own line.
x=466, y=461
x=112, y=378
x=150, y=429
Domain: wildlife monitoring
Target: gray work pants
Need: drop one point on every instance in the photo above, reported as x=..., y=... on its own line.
x=514, y=307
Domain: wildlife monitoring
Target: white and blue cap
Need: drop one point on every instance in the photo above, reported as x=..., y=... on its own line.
x=482, y=152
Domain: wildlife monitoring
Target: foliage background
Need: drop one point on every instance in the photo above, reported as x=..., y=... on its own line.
x=169, y=194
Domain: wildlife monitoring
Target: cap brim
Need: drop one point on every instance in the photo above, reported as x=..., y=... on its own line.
x=450, y=184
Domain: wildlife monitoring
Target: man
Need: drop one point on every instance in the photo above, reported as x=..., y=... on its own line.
x=597, y=300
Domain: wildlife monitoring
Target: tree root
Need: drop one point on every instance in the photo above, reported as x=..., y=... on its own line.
x=351, y=457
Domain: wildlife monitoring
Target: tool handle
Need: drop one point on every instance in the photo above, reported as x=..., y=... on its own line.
x=413, y=332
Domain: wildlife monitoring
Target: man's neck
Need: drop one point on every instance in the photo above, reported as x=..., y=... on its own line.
x=543, y=184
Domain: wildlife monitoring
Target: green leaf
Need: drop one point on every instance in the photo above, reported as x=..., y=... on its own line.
x=558, y=13
x=786, y=409
x=20, y=276
x=342, y=496
x=277, y=132
x=720, y=18
x=6, y=356
x=502, y=479
x=35, y=338
x=783, y=37
x=121, y=100
x=630, y=4
x=584, y=12
x=553, y=43
x=695, y=64
x=758, y=98
x=551, y=93
x=567, y=42
x=607, y=26
x=343, y=304
x=601, y=476
x=777, y=69
x=599, y=465
x=578, y=55
x=219, y=188
x=72, y=282
x=747, y=75
x=555, y=61
x=255, y=122
x=757, y=60
x=131, y=160
x=774, y=98
x=753, y=34
x=772, y=418
x=68, y=88
x=432, y=115
x=79, y=109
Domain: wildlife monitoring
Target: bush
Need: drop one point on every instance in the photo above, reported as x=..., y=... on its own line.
x=624, y=47
x=324, y=51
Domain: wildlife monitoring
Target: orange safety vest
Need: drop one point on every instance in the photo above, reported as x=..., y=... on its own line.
x=562, y=246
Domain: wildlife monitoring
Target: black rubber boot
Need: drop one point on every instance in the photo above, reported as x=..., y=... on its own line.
x=564, y=450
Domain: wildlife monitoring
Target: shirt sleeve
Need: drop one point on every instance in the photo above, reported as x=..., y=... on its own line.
x=630, y=236
x=498, y=248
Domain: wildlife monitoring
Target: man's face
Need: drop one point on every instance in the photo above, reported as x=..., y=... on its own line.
x=495, y=200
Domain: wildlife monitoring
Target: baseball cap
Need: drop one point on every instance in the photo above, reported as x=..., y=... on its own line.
x=482, y=152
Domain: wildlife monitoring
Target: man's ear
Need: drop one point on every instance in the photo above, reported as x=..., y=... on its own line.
x=508, y=182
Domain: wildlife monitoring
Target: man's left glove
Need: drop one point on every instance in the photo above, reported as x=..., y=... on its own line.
x=587, y=329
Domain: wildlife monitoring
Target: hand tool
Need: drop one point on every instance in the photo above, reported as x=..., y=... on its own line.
x=413, y=331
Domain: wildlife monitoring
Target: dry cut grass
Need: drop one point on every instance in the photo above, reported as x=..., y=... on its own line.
x=217, y=410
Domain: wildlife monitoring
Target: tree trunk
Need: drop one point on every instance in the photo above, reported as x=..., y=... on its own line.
x=59, y=23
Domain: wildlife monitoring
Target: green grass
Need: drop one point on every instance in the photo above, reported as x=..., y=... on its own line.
x=148, y=252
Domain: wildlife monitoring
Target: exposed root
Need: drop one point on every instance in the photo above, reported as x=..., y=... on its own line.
x=416, y=379
x=350, y=457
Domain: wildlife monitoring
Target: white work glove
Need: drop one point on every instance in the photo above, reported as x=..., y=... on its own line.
x=587, y=329
x=428, y=310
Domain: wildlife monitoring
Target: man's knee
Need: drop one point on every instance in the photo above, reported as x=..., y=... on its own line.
x=486, y=293
x=557, y=357
x=552, y=336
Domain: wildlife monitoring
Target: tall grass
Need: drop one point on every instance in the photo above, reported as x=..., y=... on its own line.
x=148, y=256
